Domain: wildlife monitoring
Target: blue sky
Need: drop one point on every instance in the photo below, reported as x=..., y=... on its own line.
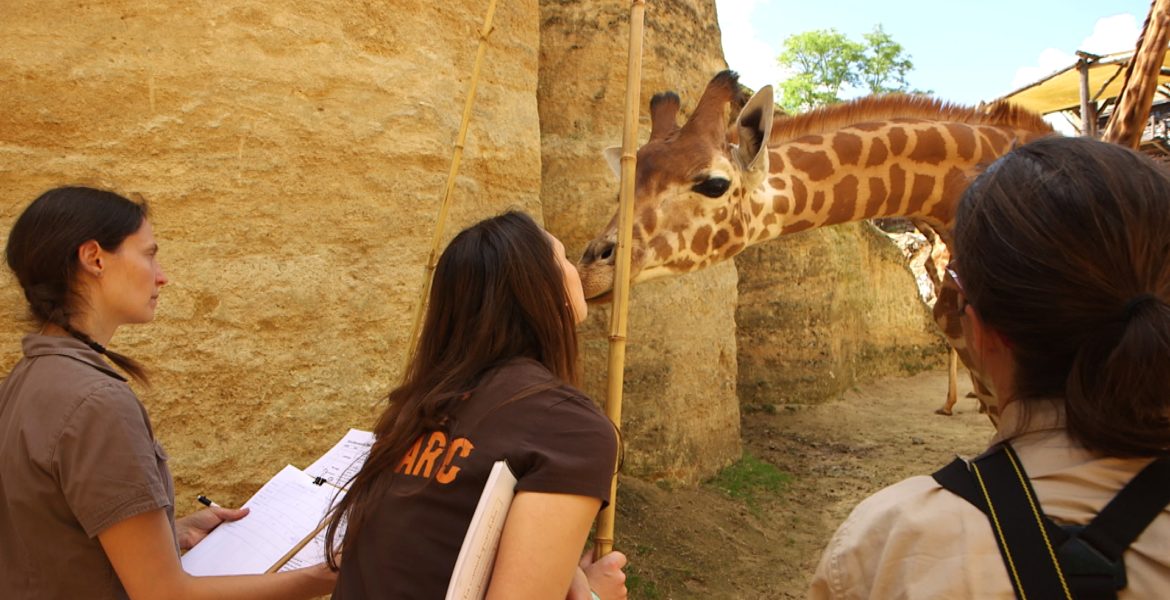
x=962, y=51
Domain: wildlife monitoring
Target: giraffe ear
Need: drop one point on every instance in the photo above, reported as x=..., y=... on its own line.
x=613, y=156
x=754, y=126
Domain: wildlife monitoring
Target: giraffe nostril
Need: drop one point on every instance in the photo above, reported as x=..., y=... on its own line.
x=607, y=252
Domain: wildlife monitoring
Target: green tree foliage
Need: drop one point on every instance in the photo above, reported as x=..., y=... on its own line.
x=825, y=63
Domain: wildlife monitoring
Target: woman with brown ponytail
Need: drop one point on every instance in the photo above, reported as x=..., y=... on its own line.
x=86, y=498
x=1063, y=250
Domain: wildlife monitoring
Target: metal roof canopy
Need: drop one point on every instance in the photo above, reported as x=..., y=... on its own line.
x=1062, y=89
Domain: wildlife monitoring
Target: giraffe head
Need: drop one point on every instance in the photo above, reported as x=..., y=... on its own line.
x=691, y=187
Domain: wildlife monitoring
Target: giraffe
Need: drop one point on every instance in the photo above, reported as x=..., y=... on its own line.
x=700, y=199
x=1141, y=79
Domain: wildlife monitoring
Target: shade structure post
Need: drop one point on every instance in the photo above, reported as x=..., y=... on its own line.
x=603, y=540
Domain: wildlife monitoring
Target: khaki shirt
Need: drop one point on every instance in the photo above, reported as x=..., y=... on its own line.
x=916, y=540
x=77, y=455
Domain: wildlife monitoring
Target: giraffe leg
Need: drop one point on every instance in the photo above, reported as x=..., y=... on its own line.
x=987, y=403
x=952, y=384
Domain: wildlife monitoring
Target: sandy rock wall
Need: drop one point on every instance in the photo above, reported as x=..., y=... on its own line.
x=823, y=310
x=293, y=155
x=680, y=412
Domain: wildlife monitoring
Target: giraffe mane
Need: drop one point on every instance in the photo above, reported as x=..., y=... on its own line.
x=879, y=108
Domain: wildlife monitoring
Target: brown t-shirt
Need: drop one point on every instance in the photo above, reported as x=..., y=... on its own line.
x=77, y=455
x=555, y=441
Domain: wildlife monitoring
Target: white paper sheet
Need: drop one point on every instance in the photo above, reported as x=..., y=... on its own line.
x=344, y=459
x=283, y=512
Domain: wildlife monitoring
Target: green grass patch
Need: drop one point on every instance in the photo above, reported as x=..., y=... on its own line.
x=641, y=588
x=749, y=479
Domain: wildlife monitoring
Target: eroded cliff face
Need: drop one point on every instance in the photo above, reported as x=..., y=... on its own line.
x=293, y=155
x=680, y=412
x=823, y=310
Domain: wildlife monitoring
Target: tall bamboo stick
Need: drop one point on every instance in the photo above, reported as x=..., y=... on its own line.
x=603, y=540
x=444, y=205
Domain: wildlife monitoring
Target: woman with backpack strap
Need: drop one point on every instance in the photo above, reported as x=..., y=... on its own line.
x=1064, y=269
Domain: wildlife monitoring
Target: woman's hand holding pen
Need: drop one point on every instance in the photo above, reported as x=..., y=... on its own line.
x=192, y=528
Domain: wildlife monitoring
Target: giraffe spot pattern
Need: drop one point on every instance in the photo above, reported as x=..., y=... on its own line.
x=848, y=148
x=683, y=264
x=775, y=161
x=799, y=196
x=964, y=140
x=954, y=183
x=877, y=153
x=871, y=126
x=988, y=152
x=844, y=200
x=898, y=139
x=920, y=192
x=816, y=164
x=757, y=208
x=897, y=189
x=777, y=183
x=649, y=220
x=878, y=195
x=661, y=247
x=732, y=250
x=931, y=147
x=702, y=237
x=779, y=206
x=800, y=225
x=721, y=215
x=818, y=201
x=998, y=139
x=720, y=240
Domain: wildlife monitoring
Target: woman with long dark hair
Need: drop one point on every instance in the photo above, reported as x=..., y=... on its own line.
x=492, y=379
x=86, y=498
x=1063, y=268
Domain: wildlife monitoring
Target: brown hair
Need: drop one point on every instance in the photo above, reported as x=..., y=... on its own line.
x=1065, y=251
x=42, y=253
x=498, y=293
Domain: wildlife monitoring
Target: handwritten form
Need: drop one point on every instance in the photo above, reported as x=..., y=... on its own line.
x=344, y=459
x=285, y=511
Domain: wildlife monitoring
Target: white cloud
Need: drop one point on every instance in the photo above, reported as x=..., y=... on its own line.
x=745, y=51
x=1117, y=33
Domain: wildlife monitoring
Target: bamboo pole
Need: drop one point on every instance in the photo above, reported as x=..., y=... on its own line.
x=444, y=205
x=603, y=540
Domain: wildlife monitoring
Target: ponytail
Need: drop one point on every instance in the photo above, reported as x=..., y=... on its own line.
x=1122, y=377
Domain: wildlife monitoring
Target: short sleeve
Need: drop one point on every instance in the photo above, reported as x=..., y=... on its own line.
x=571, y=448
x=107, y=462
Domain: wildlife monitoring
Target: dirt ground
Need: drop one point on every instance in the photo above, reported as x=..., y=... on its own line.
x=705, y=543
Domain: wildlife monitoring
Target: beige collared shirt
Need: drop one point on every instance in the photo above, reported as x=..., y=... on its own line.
x=77, y=455
x=915, y=539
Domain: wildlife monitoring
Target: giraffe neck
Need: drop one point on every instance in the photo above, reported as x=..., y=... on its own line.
x=914, y=168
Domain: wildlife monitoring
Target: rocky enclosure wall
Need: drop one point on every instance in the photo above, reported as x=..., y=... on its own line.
x=822, y=310
x=294, y=154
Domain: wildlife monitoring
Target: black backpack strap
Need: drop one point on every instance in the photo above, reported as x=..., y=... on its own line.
x=1130, y=511
x=1093, y=555
x=1001, y=490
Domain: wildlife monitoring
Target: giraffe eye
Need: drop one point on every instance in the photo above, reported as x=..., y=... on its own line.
x=713, y=187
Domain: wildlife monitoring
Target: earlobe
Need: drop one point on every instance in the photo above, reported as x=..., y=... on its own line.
x=89, y=256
